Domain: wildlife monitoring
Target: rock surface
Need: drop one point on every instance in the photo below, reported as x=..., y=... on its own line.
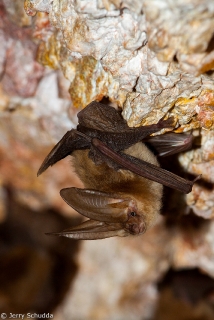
x=153, y=59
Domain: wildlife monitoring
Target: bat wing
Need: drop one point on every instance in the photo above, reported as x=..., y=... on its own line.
x=101, y=121
x=170, y=143
x=143, y=168
x=70, y=141
x=98, y=116
x=105, y=123
x=101, y=117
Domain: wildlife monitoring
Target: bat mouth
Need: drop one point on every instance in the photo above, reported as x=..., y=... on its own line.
x=136, y=228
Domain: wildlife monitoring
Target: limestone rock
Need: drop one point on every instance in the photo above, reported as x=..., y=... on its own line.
x=154, y=59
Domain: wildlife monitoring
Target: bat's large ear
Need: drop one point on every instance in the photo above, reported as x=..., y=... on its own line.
x=70, y=141
x=107, y=213
x=170, y=143
x=96, y=205
x=92, y=230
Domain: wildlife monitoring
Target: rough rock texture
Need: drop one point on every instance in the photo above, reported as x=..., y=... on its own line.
x=127, y=45
x=200, y=161
x=29, y=93
x=126, y=275
x=152, y=58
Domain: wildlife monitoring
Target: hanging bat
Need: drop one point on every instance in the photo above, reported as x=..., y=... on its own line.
x=122, y=177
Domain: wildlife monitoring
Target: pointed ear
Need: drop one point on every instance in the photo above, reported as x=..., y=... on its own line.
x=92, y=230
x=96, y=205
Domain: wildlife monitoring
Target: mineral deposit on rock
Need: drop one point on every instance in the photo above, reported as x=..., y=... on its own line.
x=128, y=41
x=153, y=59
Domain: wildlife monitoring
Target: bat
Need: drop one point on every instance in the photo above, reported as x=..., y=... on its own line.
x=122, y=177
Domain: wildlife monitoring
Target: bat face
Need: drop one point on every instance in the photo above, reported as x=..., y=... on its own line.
x=109, y=215
x=122, y=177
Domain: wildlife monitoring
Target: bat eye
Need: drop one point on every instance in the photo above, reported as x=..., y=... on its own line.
x=133, y=214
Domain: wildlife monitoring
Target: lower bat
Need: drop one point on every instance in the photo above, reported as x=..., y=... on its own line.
x=122, y=177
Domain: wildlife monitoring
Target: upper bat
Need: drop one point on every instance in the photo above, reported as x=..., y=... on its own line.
x=122, y=176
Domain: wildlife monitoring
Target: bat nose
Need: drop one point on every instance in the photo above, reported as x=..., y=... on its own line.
x=137, y=228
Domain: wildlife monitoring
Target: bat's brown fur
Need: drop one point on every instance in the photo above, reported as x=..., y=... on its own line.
x=104, y=178
x=117, y=202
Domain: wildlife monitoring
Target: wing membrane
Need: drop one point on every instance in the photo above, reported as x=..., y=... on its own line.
x=145, y=169
x=170, y=143
x=70, y=141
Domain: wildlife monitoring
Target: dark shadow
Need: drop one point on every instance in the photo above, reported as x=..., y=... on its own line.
x=205, y=184
x=174, y=205
x=185, y=294
x=175, y=59
x=210, y=72
x=210, y=46
x=105, y=100
x=190, y=285
x=36, y=270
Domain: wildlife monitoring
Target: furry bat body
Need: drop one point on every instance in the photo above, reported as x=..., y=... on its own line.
x=122, y=176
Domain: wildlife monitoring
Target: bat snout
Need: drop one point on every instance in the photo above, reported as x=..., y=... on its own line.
x=136, y=228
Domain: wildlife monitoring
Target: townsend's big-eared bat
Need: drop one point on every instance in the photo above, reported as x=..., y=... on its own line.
x=122, y=177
